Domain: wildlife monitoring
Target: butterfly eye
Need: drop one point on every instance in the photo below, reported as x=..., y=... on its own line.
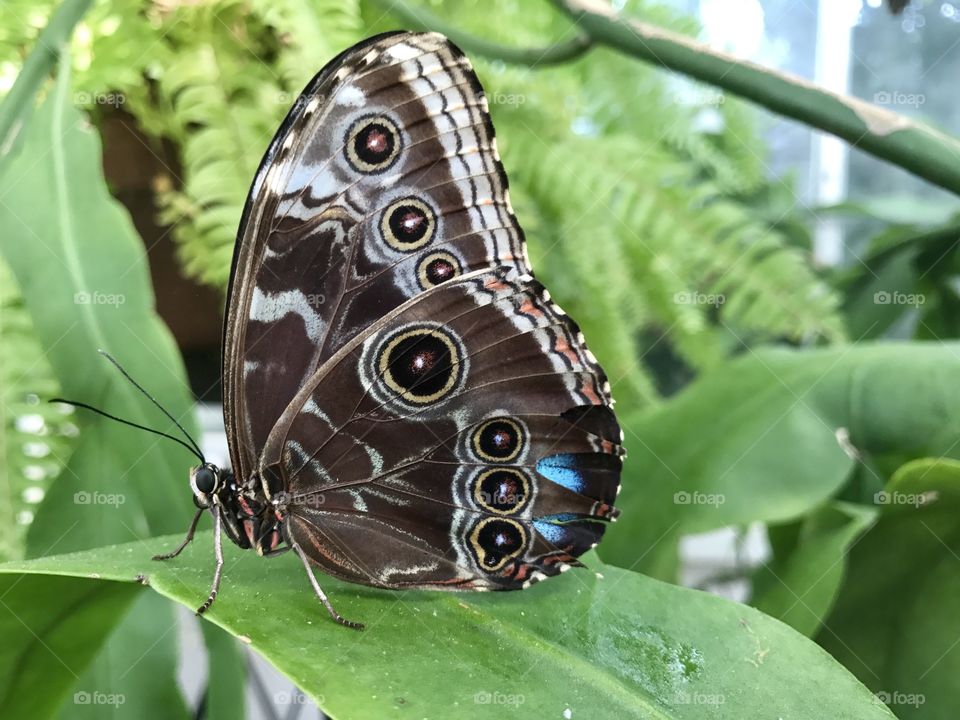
x=436, y=268
x=372, y=144
x=422, y=365
x=504, y=491
x=205, y=480
x=496, y=541
x=498, y=440
x=408, y=224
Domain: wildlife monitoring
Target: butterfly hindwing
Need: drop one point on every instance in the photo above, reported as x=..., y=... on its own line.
x=383, y=181
x=466, y=440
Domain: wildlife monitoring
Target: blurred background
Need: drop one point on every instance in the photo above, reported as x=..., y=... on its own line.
x=776, y=309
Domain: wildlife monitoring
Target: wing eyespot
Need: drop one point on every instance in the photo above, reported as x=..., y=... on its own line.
x=501, y=491
x=437, y=267
x=496, y=541
x=499, y=440
x=408, y=224
x=422, y=365
x=373, y=144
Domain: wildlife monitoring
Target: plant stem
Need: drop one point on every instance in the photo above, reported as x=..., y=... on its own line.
x=913, y=146
x=555, y=54
x=19, y=101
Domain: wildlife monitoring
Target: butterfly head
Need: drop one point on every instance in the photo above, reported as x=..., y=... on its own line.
x=206, y=481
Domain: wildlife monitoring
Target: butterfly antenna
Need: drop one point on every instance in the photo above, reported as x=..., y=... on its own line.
x=98, y=411
x=151, y=398
x=192, y=447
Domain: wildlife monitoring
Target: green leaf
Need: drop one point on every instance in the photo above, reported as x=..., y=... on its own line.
x=607, y=644
x=897, y=619
x=770, y=437
x=799, y=586
x=84, y=279
x=83, y=273
x=226, y=674
x=15, y=111
x=52, y=627
x=134, y=675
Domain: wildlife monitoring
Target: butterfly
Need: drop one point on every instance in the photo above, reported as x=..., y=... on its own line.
x=405, y=406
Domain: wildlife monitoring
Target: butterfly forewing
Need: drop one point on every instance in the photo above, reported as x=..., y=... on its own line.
x=383, y=181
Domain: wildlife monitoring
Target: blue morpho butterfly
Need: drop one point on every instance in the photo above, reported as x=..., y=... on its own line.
x=405, y=407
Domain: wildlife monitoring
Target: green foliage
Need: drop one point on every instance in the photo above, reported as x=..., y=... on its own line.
x=78, y=250
x=801, y=583
x=606, y=156
x=34, y=684
x=35, y=438
x=773, y=436
x=601, y=644
x=648, y=212
x=896, y=621
x=636, y=215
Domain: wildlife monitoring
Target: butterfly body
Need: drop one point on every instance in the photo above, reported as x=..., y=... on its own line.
x=405, y=405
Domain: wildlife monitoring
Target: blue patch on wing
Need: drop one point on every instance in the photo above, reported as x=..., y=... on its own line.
x=562, y=469
x=555, y=529
x=553, y=534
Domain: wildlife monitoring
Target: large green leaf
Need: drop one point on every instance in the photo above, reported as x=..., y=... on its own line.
x=134, y=675
x=52, y=628
x=84, y=279
x=896, y=623
x=772, y=436
x=83, y=273
x=801, y=583
x=589, y=644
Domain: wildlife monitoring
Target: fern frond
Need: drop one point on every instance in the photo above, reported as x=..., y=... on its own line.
x=35, y=437
x=651, y=245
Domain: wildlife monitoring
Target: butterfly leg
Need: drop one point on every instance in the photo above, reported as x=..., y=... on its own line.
x=186, y=540
x=320, y=594
x=218, y=551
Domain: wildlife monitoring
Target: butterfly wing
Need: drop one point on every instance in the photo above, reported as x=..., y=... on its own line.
x=466, y=440
x=383, y=181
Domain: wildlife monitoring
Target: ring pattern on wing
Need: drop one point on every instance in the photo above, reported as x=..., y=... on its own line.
x=373, y=144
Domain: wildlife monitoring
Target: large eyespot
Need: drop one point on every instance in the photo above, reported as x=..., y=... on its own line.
x=504, y=491
x=421, y=364
x=408, y=224
x=373, y=144
x=496, y=541
x=437, y=267
x=498, y=440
